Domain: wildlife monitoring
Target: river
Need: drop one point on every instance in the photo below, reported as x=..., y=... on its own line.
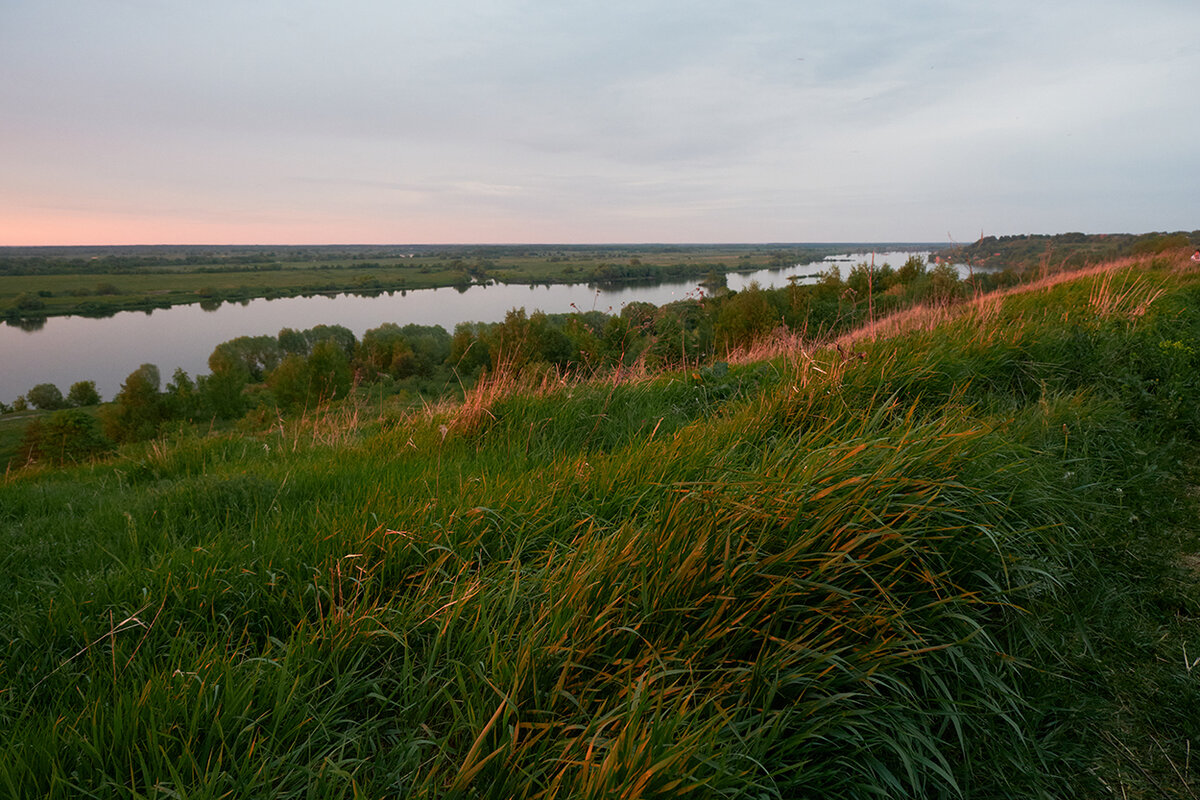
x=105, y=350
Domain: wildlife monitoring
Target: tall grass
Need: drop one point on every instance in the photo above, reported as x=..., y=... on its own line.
x=949, y=566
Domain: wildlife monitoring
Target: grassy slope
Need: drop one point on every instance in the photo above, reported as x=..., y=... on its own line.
x=956, y=566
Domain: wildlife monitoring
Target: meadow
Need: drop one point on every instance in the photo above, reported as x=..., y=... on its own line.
x=953, y=553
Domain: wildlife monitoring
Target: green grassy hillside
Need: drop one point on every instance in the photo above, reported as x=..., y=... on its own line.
x=952, y=556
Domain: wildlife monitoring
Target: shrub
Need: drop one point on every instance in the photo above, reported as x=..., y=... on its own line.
x=29, y=302
x=67, y=436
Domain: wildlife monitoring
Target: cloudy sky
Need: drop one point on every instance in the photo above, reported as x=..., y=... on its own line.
x=347, y=121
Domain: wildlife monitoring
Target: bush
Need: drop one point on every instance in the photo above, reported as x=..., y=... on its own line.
x=68, y=436
x=29, y=302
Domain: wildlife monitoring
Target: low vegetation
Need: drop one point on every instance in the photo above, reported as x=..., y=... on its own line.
x=953, y=553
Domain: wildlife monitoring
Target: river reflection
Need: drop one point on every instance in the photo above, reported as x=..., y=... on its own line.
x=68, y=349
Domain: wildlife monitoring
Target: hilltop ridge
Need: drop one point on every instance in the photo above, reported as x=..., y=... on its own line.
x=1026, y=253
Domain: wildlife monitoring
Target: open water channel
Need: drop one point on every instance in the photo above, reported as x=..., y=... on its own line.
x=105, y=350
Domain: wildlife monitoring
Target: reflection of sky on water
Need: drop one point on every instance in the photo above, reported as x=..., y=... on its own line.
x=69, y=349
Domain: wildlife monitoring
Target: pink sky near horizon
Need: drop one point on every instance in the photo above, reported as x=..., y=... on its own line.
x=82, y=229
x=78, y=228
x=370, y=121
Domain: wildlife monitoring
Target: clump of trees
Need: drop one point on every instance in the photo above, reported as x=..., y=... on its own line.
x=48, y=397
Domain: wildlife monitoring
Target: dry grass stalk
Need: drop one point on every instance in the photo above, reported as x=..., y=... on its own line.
x=475, y=408
x=780, y=342
x=1132, y=299
x=916, y=318
x=325, y=425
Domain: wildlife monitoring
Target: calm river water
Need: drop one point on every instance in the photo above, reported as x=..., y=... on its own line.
x=70, y=349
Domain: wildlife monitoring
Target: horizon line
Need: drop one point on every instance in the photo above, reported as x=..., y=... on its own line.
x=489, y=244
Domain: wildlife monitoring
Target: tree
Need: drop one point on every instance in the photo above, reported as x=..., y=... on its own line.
x=944, y=284
x=330, y=369
x=638, y=313
x=550, y=343
x=913, y=268
x=338, y=333
x=138, y=409
x=289, y=382
x=510, y=343
x=257, y=354
x=621, y=342
x=46, y=397
x=83, y=393
x=668, y=348
x=221, y=389
x=584, y=342
x=182, y=397
x=300, y=382
x=430, y=346
x=386, y=350
x=745, y=317
x=292, y=342
x=468, y=349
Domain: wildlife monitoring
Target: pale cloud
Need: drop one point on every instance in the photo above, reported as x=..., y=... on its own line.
x=595, y=121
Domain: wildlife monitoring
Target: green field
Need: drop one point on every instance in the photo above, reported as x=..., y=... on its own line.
x=950, y=555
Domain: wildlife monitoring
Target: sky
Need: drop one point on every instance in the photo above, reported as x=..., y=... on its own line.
x=594, y=121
